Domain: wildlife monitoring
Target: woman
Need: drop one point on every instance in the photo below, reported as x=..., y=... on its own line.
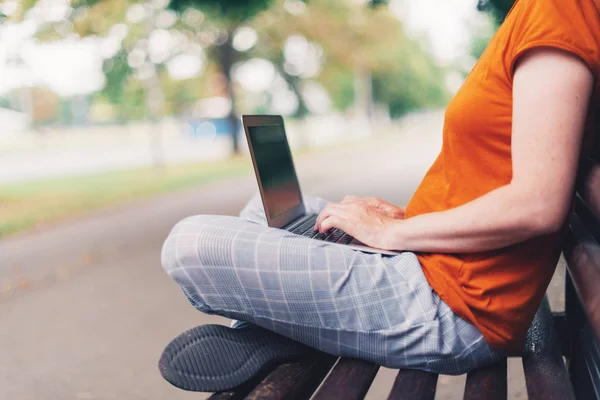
x=481, y=234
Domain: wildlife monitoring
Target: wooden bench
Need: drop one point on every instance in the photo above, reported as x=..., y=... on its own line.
x=572, y=334
x=320, y=376
x=580, y=324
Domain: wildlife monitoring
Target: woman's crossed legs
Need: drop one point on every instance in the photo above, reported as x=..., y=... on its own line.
x=332, y=298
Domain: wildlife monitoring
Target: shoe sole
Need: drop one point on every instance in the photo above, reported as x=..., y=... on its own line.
x=212, y=358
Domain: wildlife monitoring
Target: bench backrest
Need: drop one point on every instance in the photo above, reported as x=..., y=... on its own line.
x=582, y=290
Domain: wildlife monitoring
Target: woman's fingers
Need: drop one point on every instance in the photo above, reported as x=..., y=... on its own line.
x=325, y=212
x=333, y=221
x=330, y=209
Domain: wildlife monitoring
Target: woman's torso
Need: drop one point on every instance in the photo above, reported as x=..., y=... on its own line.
x=499, y=291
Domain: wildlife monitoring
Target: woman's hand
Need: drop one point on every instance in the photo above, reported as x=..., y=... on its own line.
x=366, y=223
x=381, y=205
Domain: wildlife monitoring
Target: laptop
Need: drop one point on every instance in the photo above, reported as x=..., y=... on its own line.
x=279, y=186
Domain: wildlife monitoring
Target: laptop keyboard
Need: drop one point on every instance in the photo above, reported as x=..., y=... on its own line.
x=334, y=235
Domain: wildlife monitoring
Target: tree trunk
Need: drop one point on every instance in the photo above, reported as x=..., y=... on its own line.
x=363, y=93
x=154, y=101
x=226, y=59
x=154, y=104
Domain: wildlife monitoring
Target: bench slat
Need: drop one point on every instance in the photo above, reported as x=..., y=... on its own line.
x=588, y=186
x=583, y=262
x=414, y=385
x=349, y=379
x=545, y=373
x=294, y=380
x=226, y=396
x=291, y=380
x=488, y=382
x=585, y=366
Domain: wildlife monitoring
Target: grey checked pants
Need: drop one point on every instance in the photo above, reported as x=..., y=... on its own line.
x=343, y=302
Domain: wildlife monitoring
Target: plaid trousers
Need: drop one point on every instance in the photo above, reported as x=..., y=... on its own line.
x=338, y=300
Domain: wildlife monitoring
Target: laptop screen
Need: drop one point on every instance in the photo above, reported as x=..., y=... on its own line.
x=275, y=168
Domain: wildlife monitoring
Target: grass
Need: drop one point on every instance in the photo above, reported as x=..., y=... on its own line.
x=27, y=205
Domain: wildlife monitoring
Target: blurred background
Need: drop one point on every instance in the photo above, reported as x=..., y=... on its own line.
x=118, y=118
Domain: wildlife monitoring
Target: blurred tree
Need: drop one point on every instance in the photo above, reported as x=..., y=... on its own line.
x=117, y=72
x=231, y=12
x=99, y=17
x=361, y=48
x=124, y=28
x=479, y=43
x=498, y=8
x=228, y=15
x=415, y=82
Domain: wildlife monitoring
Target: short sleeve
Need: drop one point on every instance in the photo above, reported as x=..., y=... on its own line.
x=572, y=26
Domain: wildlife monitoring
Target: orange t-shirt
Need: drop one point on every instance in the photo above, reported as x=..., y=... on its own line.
x=499, y=291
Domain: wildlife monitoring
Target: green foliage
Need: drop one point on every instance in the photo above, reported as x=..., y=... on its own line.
x=27, y=204
x=415, y=82
x=122, y=90
x=480, y=38
x=498, y=8
x=116, y=71
x=232, y=11
x=132, y=105
x=339, y=83
x=236, y=11
x=478, y=45
x=81, y=3
x=375, y=3
x=352, y=38
x=181, y=94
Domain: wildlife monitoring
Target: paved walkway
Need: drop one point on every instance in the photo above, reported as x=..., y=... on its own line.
x=85, y=309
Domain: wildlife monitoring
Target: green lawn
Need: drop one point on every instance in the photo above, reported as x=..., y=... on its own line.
x=29, y=204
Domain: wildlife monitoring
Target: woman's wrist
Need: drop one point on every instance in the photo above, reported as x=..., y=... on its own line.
x=393, y=236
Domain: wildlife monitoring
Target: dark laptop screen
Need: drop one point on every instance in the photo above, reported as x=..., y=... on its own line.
x=275, y=168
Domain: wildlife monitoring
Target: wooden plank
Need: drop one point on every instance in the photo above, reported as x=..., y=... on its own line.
x=585, y=365
x=349, y=379
x=294, y=380
x=414, y=385
x=583, y=263
x=589, y=186
x=229, y=395
x=545, y=372
x=584, y=354
x=487, y=383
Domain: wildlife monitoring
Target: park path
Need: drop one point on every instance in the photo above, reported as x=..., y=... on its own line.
x=85, y=309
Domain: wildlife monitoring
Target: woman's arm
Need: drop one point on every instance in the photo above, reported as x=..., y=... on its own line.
x=551, y=92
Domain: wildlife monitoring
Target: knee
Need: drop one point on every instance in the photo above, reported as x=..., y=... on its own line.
x=186, y=252
x=179, y=257
x=180, y=249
